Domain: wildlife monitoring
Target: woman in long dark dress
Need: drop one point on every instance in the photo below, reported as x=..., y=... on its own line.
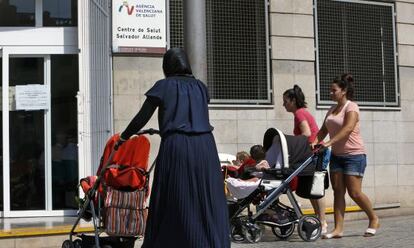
x=187, y=205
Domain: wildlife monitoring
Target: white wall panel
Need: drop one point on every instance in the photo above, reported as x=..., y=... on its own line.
x=40, y=36
x=94, y=99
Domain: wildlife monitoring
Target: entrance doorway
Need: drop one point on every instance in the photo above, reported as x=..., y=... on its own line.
x=39, y=134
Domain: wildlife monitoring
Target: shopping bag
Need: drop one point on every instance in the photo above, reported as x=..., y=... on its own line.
x=318, y=183
x=125, y=212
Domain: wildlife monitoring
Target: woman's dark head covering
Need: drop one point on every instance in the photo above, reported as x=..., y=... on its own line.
x=176, y=63
x=268, y=137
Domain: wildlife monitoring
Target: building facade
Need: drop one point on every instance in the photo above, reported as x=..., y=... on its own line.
x=66, y=92
x=298, y=56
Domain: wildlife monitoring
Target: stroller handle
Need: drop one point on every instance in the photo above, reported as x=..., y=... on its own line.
x=319, y=149
x=149, y=131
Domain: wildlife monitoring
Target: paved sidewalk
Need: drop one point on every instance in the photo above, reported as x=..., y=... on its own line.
x=394, y=232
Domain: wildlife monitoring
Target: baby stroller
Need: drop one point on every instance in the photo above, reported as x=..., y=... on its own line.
x=297, y=160
x=115, y=199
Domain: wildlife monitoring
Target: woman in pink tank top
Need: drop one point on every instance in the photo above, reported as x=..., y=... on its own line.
x=348, y=159
x=305, y=124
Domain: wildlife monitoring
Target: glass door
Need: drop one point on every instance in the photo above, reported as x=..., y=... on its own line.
x=27, y=137
x=40, y=169
x=1, y=135
x=64, y=119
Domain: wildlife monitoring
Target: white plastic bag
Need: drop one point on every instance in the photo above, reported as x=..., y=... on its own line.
x=318, y=183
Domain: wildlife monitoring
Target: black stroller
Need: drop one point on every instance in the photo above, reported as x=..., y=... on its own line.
x=297, y=153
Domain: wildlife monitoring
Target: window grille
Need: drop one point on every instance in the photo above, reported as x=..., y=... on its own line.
x=357, y=37
x=238, y=64
x=176, y=23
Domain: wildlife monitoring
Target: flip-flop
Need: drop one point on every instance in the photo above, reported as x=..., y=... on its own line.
x=332, y=236
x=370, y=232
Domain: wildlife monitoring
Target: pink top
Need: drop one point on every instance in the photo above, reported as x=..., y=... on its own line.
x=352, y=145
x=303, y=115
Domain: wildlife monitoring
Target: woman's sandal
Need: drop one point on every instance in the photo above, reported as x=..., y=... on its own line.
x=370, y=232
x=332, y=236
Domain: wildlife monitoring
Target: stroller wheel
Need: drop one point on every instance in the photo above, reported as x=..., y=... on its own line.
x=77, y=243
x=68, y=244
x=283, y=232
x=252, y=232
x=309, y=228
x=236, y=233
x=128, y=242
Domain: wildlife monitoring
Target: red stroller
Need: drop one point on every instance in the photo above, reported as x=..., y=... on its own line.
x=115, y=199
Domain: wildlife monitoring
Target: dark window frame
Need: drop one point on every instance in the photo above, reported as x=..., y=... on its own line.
x=322, y=86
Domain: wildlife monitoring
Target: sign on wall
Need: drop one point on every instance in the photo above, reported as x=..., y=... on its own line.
x=139, y=26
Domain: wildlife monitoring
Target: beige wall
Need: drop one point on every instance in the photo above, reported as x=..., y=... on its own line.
x=389, y=135
x=402, y=122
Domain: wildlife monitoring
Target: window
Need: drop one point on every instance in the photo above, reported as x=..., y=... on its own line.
x=17, y=13
x=60, y=13
x=56, y=13
x=238, y=69
x=357, y=37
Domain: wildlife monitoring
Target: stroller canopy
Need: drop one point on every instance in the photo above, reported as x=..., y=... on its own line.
x=287, y=151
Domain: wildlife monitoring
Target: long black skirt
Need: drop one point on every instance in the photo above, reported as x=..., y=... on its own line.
x=187, y=206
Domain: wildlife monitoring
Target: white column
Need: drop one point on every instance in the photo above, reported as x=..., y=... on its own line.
x=95, y=71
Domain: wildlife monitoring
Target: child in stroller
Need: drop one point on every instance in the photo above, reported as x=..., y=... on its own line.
x=288, y=156
x=236, y=167
x=243, y=181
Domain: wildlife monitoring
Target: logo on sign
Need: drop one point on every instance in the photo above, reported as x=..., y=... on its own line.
x=129, y=9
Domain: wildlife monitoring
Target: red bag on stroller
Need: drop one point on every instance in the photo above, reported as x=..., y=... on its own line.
x=129, y=164
x=116, y=198
x=126, y=186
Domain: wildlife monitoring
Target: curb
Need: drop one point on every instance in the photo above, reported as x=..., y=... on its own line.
x=60, y=230
x=38, y=231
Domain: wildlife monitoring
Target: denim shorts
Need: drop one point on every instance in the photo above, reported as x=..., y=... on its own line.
x=353, y=165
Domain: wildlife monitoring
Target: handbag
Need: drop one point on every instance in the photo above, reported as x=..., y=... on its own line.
x=318, y=184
